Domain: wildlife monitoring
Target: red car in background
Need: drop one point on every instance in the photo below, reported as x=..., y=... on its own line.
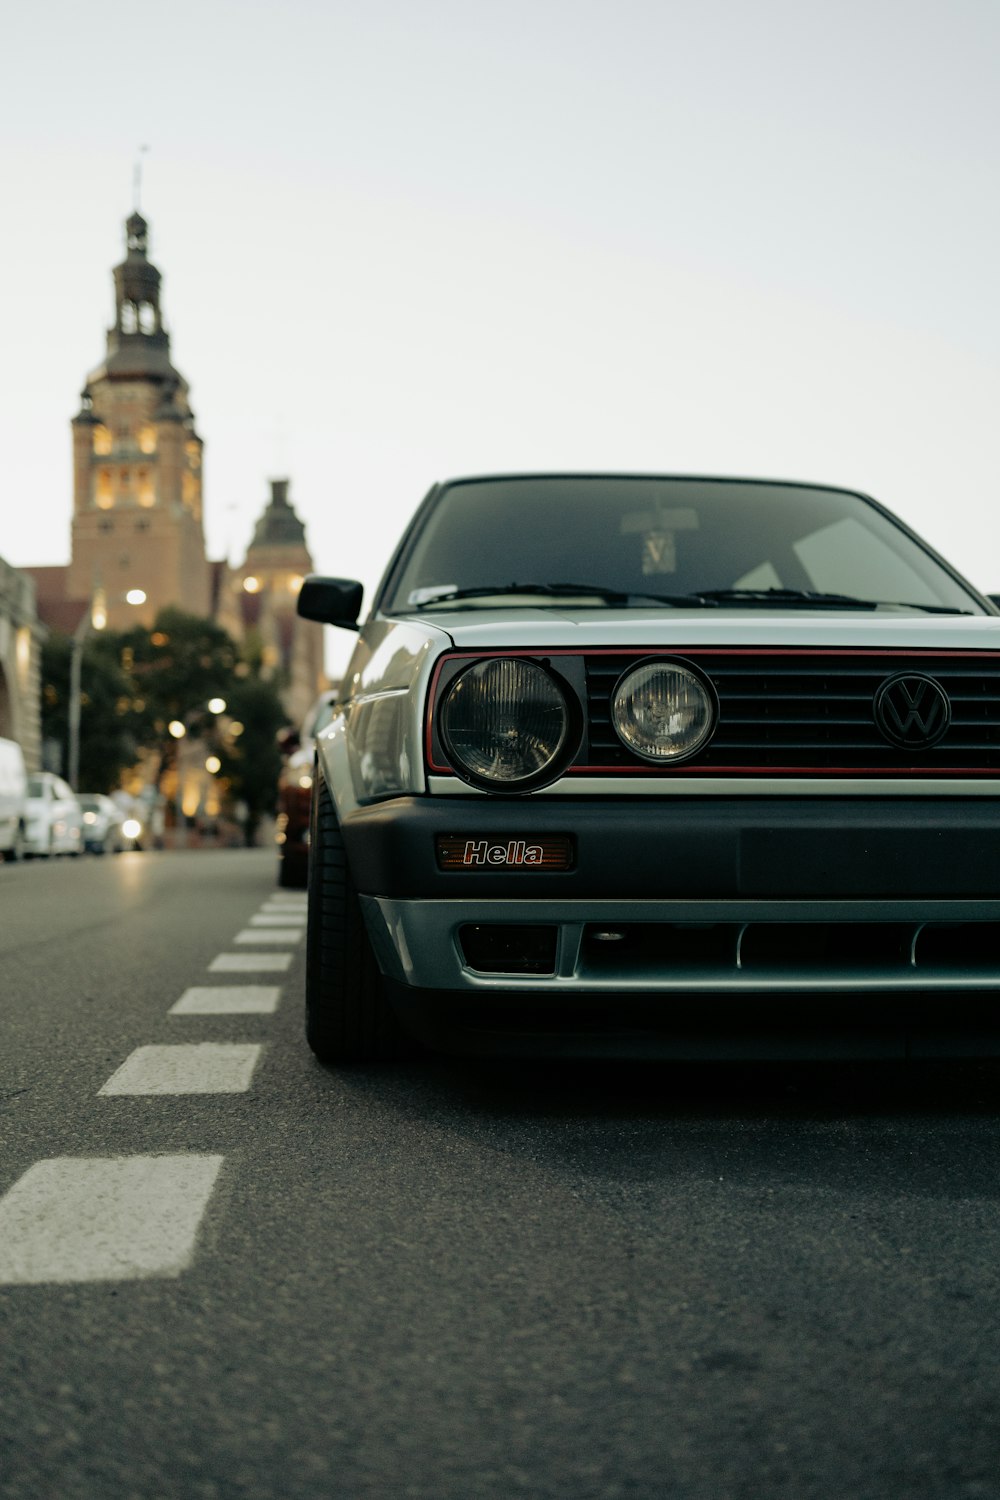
x=295, y=794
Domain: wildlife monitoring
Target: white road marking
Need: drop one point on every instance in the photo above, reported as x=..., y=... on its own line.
x=196, y=1068
x=250, y=963
x=228, y=1000
x=272, y=935
x=277, y=919
x=301, y=900
x=101, y=1219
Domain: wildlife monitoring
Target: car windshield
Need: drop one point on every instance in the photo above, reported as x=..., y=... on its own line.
x=625, y=539
x=36, y=786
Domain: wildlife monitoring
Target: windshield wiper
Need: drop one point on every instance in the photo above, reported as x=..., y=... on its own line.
x=699, y=599
x=807, y=596
x=562, y=590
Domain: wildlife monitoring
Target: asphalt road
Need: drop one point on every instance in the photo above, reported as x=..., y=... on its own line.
x=453, y=1280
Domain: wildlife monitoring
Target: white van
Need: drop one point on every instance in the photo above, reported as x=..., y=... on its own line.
x=13, y=798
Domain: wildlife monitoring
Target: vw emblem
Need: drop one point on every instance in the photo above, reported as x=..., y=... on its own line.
x=912, y=710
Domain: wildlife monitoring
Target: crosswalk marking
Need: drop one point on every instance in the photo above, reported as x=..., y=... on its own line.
x=250, y=963
x=104, y=1219
x=229, y=999
x=193, y=1068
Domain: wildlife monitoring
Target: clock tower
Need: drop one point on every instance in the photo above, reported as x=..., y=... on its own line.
x=137, y=463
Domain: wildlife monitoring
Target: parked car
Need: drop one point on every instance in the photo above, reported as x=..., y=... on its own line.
x=103, y=824
x=13, y=800
x=140, y=818
x=54, y=818
x=295, y=793
x=691, y=766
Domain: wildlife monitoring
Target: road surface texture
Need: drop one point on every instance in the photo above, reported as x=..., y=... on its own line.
x=226, y=1271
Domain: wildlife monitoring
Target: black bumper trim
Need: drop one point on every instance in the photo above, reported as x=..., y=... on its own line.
x=725, y=849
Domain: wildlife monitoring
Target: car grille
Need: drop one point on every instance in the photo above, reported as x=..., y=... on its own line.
x=811, y=711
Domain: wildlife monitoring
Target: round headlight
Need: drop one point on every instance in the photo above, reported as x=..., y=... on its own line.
x=663, y=712
x=506, y=724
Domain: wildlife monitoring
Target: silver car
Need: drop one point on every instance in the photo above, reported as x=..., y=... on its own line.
x=53, y=817
x=103, y=821
x=658, y=764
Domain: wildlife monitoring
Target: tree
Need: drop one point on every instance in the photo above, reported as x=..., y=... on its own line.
x=109, y=727
x=138, y=682
x=177, y=668
x=251, y=759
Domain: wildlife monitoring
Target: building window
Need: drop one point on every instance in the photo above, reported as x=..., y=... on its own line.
x=147, y=496
x=102, y=440
x=147, y=317
x=129, y=319
x=147, y=439
x=103, y=493
x=23, y=654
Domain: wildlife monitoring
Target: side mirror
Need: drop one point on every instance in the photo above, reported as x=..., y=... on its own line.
x=332, y=601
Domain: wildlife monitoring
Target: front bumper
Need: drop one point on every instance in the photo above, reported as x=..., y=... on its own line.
x=739, y=897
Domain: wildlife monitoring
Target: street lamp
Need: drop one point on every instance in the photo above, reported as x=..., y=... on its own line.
x=95, y=617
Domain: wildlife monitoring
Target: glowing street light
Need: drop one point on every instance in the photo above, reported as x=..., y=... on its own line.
x=178, y=729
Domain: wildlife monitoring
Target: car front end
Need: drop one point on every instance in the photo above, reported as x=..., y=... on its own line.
x=761, y=828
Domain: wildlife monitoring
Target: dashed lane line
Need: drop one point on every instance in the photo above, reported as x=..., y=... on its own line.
x=80, y=1219
x=192, y=1068
x=73, y=1218
x=228, y=1000
x=263, y=936
x=250, y=963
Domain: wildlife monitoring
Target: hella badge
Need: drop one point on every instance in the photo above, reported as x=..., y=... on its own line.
x=473, y=852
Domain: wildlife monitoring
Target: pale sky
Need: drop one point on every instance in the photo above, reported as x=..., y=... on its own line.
x=402, y=241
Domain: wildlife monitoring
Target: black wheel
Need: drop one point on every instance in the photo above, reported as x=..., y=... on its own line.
x=347, y=1016
x=16, y=850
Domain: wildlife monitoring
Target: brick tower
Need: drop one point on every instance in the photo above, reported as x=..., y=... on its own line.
x=137, y=463
x=262, y=604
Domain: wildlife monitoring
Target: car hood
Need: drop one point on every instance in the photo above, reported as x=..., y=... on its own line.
x=675, y=628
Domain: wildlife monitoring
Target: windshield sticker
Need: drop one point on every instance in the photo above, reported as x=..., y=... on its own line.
x=658, y=530
x=659, y=552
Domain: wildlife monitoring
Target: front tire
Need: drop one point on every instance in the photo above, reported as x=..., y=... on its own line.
x=16, y=850
x=348, y=1018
